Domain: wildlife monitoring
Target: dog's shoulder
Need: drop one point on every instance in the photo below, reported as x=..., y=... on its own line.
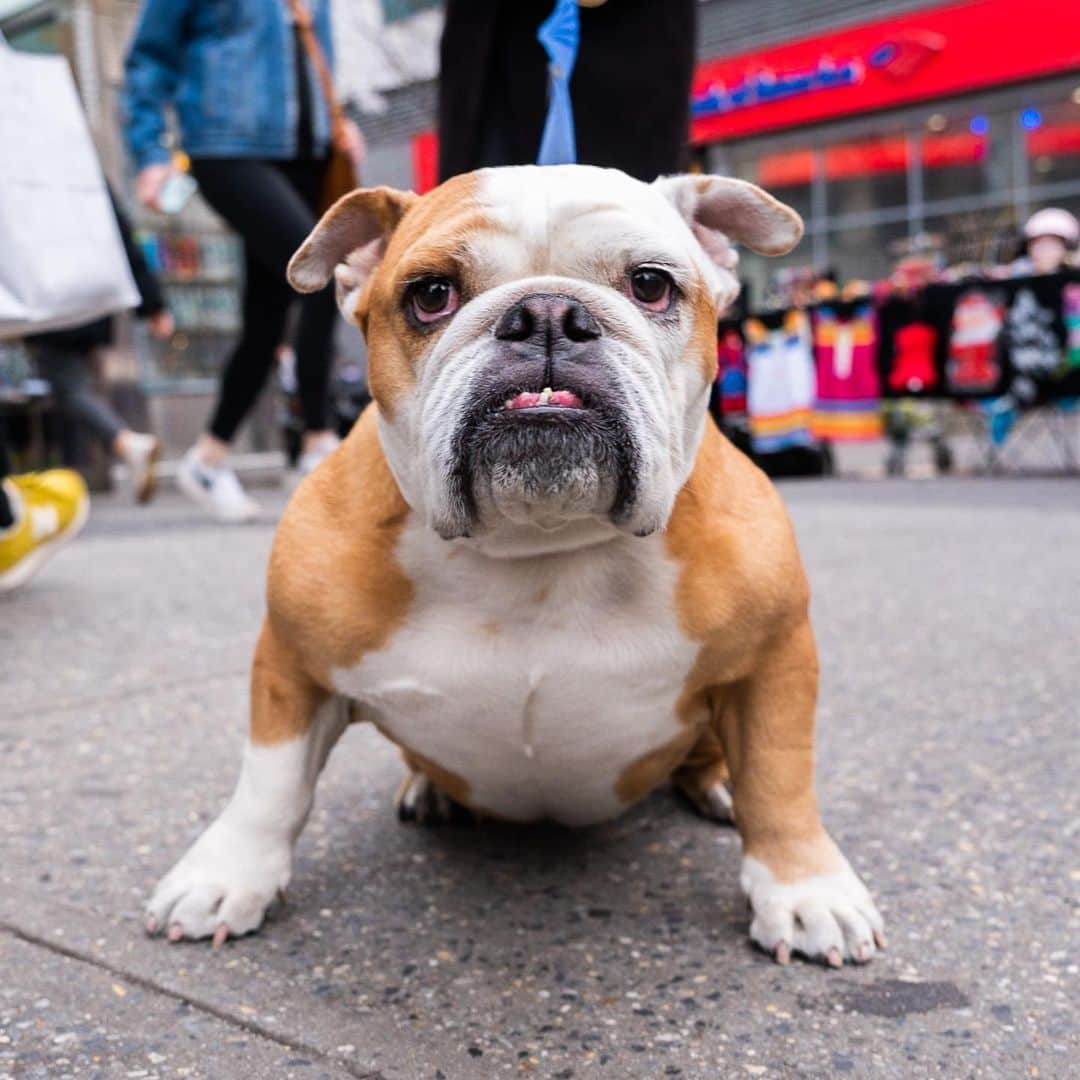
x=739, y=566
x=335, y=587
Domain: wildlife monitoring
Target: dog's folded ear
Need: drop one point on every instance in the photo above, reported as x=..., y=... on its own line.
x=349, y=241
x=719, y=208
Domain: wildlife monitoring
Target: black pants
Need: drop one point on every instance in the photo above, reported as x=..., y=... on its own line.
x=69, y=374
x=273, y=205
x=6, y=515
x=5, y=461
x=630, y=90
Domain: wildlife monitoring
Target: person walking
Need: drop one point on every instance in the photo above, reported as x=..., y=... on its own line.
x=64, y=360
x=40, y=513
x=249, y=82
x=630, y=86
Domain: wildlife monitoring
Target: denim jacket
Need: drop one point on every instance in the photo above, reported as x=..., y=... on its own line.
x=229, y=70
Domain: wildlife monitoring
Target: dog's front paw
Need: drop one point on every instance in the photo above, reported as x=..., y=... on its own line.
x=222, y=886
x=826, y=916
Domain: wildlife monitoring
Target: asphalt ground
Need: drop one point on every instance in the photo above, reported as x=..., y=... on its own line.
x=948, y=616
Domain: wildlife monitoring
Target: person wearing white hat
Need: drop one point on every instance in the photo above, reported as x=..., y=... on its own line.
x=1051, y=234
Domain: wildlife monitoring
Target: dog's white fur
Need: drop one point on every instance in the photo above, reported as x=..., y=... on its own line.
x=453, y=686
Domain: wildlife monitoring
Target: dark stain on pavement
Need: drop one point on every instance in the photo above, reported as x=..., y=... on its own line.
x=895, y=998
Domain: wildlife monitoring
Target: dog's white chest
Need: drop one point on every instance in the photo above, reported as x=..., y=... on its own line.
x=535, y=682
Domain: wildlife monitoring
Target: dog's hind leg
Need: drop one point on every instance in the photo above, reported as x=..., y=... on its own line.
x=420, y=799
x=705, y=780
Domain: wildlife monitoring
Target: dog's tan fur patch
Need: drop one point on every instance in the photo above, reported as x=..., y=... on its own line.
x=335, y=588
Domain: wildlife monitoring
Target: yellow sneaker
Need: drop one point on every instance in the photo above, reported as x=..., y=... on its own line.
x=50, y=508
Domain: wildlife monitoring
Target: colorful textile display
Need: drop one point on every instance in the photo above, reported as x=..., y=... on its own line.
x=1034, y=349
x=913, y=370
x=819, y=375
x=847, y=407
x=907, y=347
x=781, y=381
x=732, y=370
x=1008, y=336
x=1071, y=314
x=973, y=365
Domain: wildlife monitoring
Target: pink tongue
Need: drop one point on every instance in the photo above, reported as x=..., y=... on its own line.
x=566, y=399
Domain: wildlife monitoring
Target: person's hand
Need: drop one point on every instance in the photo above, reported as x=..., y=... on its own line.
x=149, y=183
x=162, y=325
x=354, y=144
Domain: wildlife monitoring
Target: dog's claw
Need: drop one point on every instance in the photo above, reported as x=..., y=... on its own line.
x=833, y=958
x=419, y=800
x=783, y=954
x=221, y=935
x=863, y=953
x=151, y=926
x=879, y=938
x=176, y=933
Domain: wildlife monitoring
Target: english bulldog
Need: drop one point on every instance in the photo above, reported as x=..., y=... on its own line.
x=535, y=564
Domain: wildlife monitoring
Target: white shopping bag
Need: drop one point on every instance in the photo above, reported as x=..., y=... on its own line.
x=62, y=261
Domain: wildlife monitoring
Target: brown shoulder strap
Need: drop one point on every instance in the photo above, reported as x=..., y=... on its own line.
x=302, y=18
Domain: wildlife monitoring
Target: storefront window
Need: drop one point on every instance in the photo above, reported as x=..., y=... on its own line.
x=957, y=179
x=965, y=153
x=1052, y=141
x=867, y=253
x=199, y=266
x=867, y=174
x=986, y=236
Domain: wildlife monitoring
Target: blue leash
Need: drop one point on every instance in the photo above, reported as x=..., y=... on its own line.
x=560, y=34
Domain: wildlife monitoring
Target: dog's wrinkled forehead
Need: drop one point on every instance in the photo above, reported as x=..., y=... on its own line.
x=524, y=220
x=577, y=222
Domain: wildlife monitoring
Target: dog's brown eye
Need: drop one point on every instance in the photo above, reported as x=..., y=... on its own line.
x=651, y=287
x=433, y=298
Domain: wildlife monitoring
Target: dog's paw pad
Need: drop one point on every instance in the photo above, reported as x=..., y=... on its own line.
x=827, y=917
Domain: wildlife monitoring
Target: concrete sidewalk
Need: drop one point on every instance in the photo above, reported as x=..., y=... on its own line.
x=948, y=615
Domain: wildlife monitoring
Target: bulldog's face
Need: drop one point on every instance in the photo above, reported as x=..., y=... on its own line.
x=542, y=340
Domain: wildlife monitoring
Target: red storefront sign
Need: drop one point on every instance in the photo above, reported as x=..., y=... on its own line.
x=926, y=55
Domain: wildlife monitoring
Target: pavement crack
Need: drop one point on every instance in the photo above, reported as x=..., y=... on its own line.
x=252, y=1027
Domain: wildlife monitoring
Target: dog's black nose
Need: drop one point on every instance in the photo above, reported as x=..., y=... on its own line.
x=544, y=319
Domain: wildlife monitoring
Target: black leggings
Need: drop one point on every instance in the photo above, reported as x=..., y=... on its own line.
x=273, y=205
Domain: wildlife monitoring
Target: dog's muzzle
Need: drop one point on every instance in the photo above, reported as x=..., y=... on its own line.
x=547, y=421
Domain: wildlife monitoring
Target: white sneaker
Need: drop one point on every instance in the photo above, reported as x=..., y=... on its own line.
x=311, y=459
x=141, y=455
x=216, y=489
